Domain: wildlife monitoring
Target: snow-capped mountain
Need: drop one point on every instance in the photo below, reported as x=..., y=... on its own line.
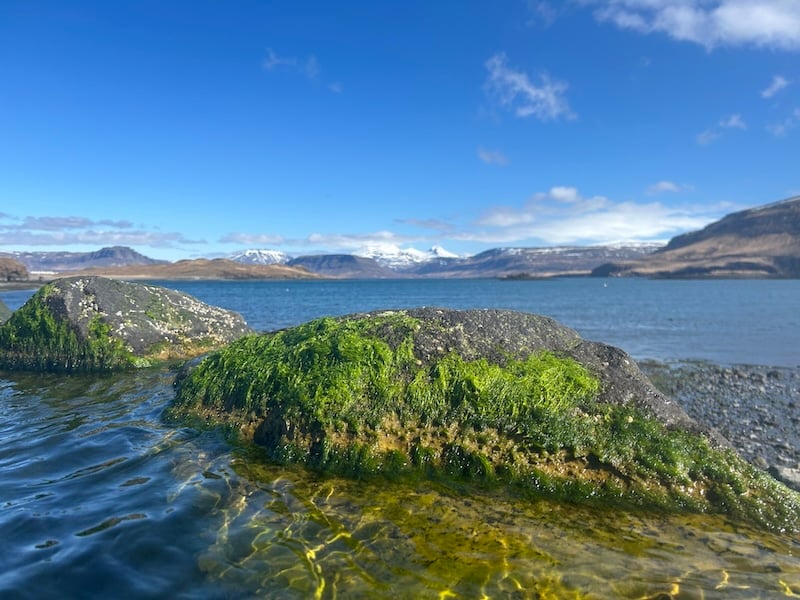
x=261, y=257
x=394, y=257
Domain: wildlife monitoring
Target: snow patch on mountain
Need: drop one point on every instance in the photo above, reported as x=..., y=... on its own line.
x=260, y=257
x=394, y=257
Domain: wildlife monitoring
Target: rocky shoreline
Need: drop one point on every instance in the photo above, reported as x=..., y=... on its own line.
x=756, y=408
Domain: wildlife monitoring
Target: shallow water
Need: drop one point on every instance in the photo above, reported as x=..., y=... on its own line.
x=100, y=497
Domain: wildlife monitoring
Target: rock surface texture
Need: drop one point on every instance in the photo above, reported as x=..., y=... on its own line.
x=487, y=396
x=93, y=323
x=5, y=312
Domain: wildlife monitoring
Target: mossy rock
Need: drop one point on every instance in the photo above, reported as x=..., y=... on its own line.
x=98, y=324
x=486, y=396
x=5, y=312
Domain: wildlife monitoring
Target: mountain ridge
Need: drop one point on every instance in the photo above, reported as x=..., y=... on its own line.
x=763, y=242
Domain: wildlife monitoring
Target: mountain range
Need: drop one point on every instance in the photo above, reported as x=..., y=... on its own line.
x=758, y=242
x=376, y=262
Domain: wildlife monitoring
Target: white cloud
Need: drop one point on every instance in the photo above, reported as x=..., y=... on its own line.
x=273, y=61
x=778, y=83
x=559, y=216
x=312, y=67
x=309, y=67
x=562, y=194
x=789, y=123
x=706, y=137
x=542, y=13
x=514, y=91
x=547, y=218
x=153, y=239
x=72, y=230
x=492, y=157
x=252, y=239
x=664, y=187
x=733, y=122
x=710, y=23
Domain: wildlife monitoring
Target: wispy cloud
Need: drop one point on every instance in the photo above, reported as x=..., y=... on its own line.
x=321, y=241
x=564, y=216
x=311, y=67
x=308, y=67
x=492, y=157
x=778, y=83
x=666, y=187
x=706, y=137
x=432, y=224
x=710, y=23
x=62, y=223
x=72, y=230
x=782, y=128
x=559, y=216
x=514, y=91
x=734, y=121
x=273, y=61
x=253, y=239
x=542, y=13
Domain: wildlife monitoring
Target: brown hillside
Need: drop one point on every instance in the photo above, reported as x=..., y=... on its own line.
x=12, y=270
x=201, y=268
x=759, y=242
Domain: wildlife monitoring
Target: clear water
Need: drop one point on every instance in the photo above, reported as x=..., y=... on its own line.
x=99, y=498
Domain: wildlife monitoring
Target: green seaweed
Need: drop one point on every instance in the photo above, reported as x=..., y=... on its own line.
x=36, y=339
x=352, y=397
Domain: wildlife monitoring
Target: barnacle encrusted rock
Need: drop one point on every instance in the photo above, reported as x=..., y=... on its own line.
x=490, y=396
x=95, y=324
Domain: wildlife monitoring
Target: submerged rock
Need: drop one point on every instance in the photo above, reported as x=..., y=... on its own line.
x=490, y=396
x=96, y=324
x=5, y=312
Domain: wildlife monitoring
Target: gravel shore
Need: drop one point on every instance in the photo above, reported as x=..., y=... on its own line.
x=756, y=408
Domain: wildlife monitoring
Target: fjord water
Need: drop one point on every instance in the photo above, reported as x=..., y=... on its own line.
x=99, y=497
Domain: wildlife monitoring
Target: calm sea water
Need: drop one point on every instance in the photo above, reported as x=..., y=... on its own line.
x=728, y=322
x=99, y=498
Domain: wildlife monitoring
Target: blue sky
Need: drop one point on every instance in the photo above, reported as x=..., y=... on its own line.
x=200, y=128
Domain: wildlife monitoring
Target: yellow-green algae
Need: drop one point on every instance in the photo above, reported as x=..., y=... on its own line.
x=351, y=397
x=289, y=532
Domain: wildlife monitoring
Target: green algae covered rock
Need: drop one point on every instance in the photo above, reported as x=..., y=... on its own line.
x=98, y=324
x=5, y=312
x=487, y=396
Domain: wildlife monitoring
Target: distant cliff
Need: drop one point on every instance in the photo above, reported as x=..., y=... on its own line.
x=12, y=270
x=758, y=242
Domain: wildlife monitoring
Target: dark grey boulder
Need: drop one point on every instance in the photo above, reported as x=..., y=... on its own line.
x=94, y=323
